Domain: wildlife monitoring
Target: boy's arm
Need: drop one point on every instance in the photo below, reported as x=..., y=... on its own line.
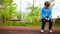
x=50, y=14
x=42, y=14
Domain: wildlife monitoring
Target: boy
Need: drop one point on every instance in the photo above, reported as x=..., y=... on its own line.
x=46, y=14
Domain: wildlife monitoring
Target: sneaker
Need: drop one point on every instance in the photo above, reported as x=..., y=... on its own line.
x=42, y=31
x=50, y=31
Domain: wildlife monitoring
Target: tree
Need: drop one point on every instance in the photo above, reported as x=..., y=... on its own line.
x=9, y=8
x=33, y=15
x=52, y=3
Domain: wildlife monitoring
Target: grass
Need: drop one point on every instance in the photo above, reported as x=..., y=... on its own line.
x=26, y=24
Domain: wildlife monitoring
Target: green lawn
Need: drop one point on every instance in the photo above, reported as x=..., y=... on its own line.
x=26, y=24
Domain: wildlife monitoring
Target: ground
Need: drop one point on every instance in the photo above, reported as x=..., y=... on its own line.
x=26, y=30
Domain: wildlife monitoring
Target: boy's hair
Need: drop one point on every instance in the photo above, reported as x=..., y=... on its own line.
x=47, y=3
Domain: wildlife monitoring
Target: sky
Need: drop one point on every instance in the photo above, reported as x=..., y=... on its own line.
x=55, y=9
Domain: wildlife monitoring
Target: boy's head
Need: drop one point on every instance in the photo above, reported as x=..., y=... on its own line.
x=47, y=4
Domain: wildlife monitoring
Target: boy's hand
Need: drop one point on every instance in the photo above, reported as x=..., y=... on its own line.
x=47, y=18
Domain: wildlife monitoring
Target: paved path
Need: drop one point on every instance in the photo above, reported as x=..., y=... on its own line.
x=25, y=30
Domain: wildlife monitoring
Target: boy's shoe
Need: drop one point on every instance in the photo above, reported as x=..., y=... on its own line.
x=50, y=31
x=42, y=31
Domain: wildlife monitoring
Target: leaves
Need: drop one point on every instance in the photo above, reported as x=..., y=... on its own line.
x=34, y=13
x=9, y=8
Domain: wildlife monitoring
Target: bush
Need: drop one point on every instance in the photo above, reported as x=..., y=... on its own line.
x=57, y=21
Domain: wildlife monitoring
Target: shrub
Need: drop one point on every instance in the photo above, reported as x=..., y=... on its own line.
x=57, y=21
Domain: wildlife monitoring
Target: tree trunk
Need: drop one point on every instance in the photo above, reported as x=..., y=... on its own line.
x=3, y=19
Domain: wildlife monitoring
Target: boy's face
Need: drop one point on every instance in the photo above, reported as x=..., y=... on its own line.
x=46, y=6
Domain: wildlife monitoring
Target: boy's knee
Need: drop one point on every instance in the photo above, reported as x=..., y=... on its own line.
x=43, y=20
x=49, y=20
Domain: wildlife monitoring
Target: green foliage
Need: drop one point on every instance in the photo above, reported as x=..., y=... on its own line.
x=57, y=21
x=18, y=15
x=34, y=13
x=26, y=24
x=8, y=8
x=1, y=1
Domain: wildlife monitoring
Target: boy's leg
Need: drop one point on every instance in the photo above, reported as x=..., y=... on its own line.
x=43, y=23
x=50, y=24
